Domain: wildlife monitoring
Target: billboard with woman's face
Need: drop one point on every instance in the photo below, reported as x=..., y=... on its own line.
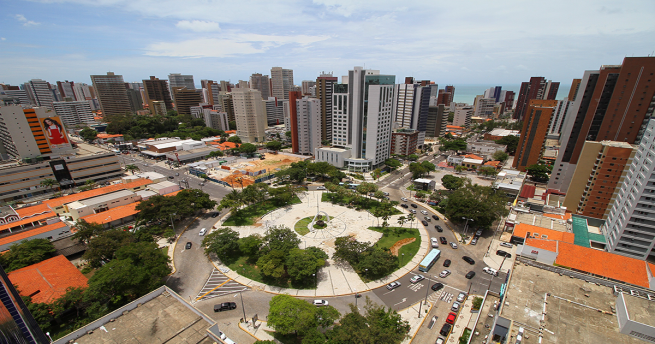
x=55, y=132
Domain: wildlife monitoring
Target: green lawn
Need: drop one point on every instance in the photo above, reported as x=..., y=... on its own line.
x=301, y=226
x=391, y=235
x=248, y=215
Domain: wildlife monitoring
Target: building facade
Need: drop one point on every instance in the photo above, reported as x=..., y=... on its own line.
x=157, y=90
x=185, y=99
x=437, y=121
x=537, y=88
x=262, y=84
x=404, y=141
x=74, y=113
x=324, y=88
x=533, y=135
x=250, y=115
x=281, y=82
x=462, y=117
x=180, y=80
x=41, y=92
x=305, y=123
x=112, y=94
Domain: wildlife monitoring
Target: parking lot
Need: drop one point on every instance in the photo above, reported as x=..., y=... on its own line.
x=218, y=285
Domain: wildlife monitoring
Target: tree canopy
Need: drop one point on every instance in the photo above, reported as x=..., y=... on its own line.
x=511, y=142
x=223, y=242
x=500, y=156
x=538, y=172
x=451, y=182
x=393, y=163
x=26, y=253
x=274, y=145
x=288, y=315
x=480, y=203
x=234, y=139
x=172, y=125
x=88, y=134
x=247, y=148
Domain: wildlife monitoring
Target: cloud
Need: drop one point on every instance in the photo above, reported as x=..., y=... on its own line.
x=2, y=39
x=21, y=18
x=198, y=25
x=521, y=67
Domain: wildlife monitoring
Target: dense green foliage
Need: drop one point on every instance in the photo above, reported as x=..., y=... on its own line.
x=26, y=253
x=500, y=156
x=298, y=171
x=451, y=182
x=482, y=204
x=157, y=212
x=538, y=172
x=88, y=134
x=171, y=125
x=511, y=142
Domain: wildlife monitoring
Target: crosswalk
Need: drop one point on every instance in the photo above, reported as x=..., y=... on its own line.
x=442, y=296
x=218, y=285
x=416, y=286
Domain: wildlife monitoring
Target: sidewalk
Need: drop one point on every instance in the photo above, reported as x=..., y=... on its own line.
x=492, y=260
x=463, y=319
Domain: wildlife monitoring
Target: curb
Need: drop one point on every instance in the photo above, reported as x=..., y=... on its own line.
x=248, y=332
x=175, y=245
x=422, y=321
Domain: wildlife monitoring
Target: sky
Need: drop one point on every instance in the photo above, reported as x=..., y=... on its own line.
x=450, y=42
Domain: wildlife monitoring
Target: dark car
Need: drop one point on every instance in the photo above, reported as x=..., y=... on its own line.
x=425, y=223
x=443, y=240
x=414, y=205
x=171, y=177
x=438, y=228
x=215, y=214
x=445, y=329
x=437, y=286
x=225, y=306
x=404, y=205
x=435, y=217
x=468, y=260
x=446, y=263
x=470, y=275
x=188, y=245
x=504, y=253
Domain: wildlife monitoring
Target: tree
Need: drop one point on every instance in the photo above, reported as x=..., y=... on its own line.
x=511, y=142
x=480, y=203
x=451, y=117
x=326, y=316
x=26, y=253
x=413, y=157
x=88, y=134
x=247, y=148
x=288, y=315
x=366, y=188
x=147, y=256
x=288, y=134
x=223, y=242
x=295, y=174
x=234, y=139
x=377, y=262
x=538, y=172
x=301, y=264
x=500, y=156
x=459, y=168
x=487, y=171
x=418, y=170
x=274, y=145
x=392, y=163
x=85, y=230
x=272, y=263
x=216, y=153
x=232, y=125
x=48, y=183
x=377, y=325
x=347, y=249
x=402, y=220
x=429, y=167
x=281, y=238
x=454, y=145
x=102, y=248
x=132, y=168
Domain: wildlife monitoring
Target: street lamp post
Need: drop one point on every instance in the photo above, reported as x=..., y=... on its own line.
x=402, y=260
x=467, y=223
x=315, y=281
x=242, y=307
x=172, y=223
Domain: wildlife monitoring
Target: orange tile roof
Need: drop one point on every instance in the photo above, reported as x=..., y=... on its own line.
x=31, y=210
x=231, y=132
x=492, y=163
x=522, y=229
x=566, y=216
x=112, y=214
x=30, y=233
x=473, y=156
x=53, y=203
x=652, y=269
x=454, y=127
x=548, y=245
x=27, y=220
x=48, y=280
x=108, y=136
x=597, y=262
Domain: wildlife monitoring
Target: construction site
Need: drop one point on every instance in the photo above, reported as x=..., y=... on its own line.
x=242, y=173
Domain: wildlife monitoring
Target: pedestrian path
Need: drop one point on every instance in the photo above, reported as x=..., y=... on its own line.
x=218, y=284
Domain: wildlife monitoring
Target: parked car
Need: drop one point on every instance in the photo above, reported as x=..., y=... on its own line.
x=403, y=199
x=203, y=231
x=506, y=244
x=321, y=188
x=452, y=316
x=414, y=205
x=440, y=340
x=437, y=286
x=474, y=240
x=438, y=228
x=468, y=260
x=445, y=329
x=417, y=278
x=434, y=242
x=444, y=273
x=455, y=307
x=188, y=245
x=446, y=263
x=319, y=303
x=225, y=306
x=490, y=271
x=435, y=217
x=479, y=232
x=470, y=274
x=425, y=223
x=461, y=297
x=504, y=253
x=171, y=177
x=404, y=205
x=393, y=285
x=453, y=245
x=424, y=212
x=385, y=193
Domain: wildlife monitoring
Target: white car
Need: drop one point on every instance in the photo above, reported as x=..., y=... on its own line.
x=444, y=273
x=461, y=297
x=412, y=211
x=203, y=231
x=321, y=188
x=434, y=242
x=403, y=199
x=490, y=271
x=417, y=278
x=506, y=244
x=424, y=212
x=455, y=307
x=453, y=245
x=225, y=339
x=319, y=303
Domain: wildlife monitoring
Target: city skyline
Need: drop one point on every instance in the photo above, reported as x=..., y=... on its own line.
x=476, y=43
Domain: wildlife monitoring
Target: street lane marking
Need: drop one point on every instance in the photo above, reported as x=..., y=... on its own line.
x=220, y=285
x=404, y=299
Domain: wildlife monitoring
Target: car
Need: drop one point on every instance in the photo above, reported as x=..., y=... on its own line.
x=414, y=205
x=446, y=263
x=453, y=245
x=417, y=278
x=393, y=285
x=425, y=223
x=474, y=240
x=412, y=211
x=445, y=329
x=438, y=228
x=319, y=303
x=490, y=271
x=452, y=316
x=321, y=188
x=188, y=245
x=506, y=244
x=461, y=297
x=440, y=340
x=427, y=219
x=171, y=177
x=437, y=286
x=479, y=232
x=424, y=212
x=468, y=260
x=504, y=253
x=225, y=306
x=404, y=205
x=385, y=193
x=203, y=231
x=444, y=273
x=455, y=307
x=403, y=199
x=434, y=242
x=443, y=240
x=470, y=274
x=224, y=338
x=435, y=217
x=177, y=174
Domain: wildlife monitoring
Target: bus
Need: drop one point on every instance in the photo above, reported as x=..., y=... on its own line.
x=429, y=260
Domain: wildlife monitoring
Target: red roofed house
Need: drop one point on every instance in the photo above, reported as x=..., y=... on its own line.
x=103, y=138
x=48, y=280
x=51, y=232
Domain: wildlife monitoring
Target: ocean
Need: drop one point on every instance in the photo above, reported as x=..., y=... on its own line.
x=467, y=93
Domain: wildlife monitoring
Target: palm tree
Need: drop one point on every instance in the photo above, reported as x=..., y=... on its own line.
x=411, y=217
x=402, y=220
x=132, y=168
x=49, y=183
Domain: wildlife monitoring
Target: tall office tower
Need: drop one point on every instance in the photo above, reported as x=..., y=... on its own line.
x=339, y=118
x=111, y=93
x=83, y=91
x=134, y=85
x=559, y=117
x=41, y=92
x=575, y=87
x=537, y=88
x=274, y=111
x=179, y=80
x=262, y=84
x=613, y=103
x=281, y=82
x=250, y=114
x=629, y=229
x=185, y=99
x=227, y=105
x=66, y=89
x=305, y=123
x=324, y=86
x=157, y=90
x=411, y=106
x=444, y=98
x=462, y=117
x=306, y=87
x=534, y=132
x=509, y=100
x=437, y=121
x=136, y=102
x=495, y=93
x=211, y=91
x=598, y=177
x=484, y=107
x=73, y=113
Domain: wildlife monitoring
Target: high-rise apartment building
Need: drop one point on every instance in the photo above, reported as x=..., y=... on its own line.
x=211, y=90
x=83, y=91
x=484, y=107
x=74, y=113
x=629, y=228
x=437, y=121
x=537, y=88
x=41, y=92
x=157, y=90
x=304, y=123
x=306, y=87
x=281, y=82
x=136, y=102
x=227, y=105
x=340, y=116
x=274, y=111
x=533, y=135
x=509, y=100
x=66, y=90
x=462, y=116
x=559, y=116
x=185, y=99
x=411, y=106
x=324, y=86
x=112, y=94
x=250, y=114
x=575, y=87
x=261, y=83
x=446, y=95
x=180, y=80
x=613, y=104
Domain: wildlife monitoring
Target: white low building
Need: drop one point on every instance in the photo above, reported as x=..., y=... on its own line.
x=334, y=156
x=95, y=205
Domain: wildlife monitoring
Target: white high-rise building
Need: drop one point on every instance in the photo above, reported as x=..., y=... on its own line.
x=559, y=115
x=411, y=107
x=250, y=114
x=340, y=125
x=74, y=113
x=41, y=92
x=630, y=228
x=463, y=116
x=484, y=107
x=308, y=112
x=281, y=82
